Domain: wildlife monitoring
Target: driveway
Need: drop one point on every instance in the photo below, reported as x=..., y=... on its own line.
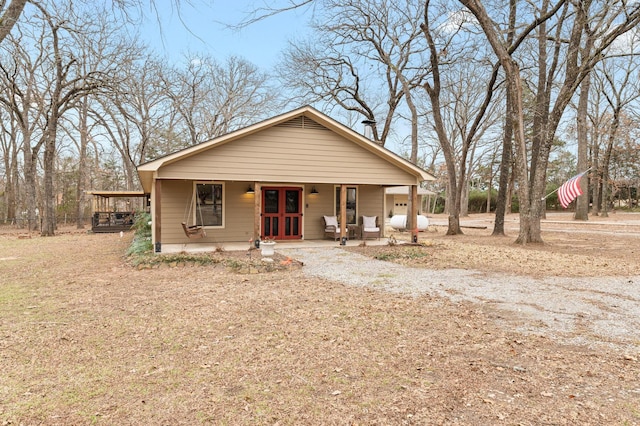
x=591, y=311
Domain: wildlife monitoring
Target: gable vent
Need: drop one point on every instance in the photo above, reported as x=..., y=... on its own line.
x=302, y=122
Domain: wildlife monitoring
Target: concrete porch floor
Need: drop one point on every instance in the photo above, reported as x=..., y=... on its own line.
x=239, y=246
x=244, y=245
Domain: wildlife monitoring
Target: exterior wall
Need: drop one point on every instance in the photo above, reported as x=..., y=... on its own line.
x=317, y=206
x=398, y=203
x=370, y=202
x=289, y=154
x=238, y=213
x=239, y=209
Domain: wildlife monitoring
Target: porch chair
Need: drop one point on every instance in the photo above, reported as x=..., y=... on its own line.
x=370, y=227
x=331, y=227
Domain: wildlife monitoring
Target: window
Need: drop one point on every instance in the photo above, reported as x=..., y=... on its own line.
x=352, y=214
x=209, y=204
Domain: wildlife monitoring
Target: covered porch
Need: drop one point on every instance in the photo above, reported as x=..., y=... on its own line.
x=114, y=211
x=275, y=180
x=207, y=247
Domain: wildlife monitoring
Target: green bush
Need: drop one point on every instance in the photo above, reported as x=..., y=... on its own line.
x=141, y=243
x=478, y=201
x=439, y=207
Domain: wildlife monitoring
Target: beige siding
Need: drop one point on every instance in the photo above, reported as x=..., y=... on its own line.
x=369, y=202
x=317, y=206
x=239, y=208
x=238, y=213
x=282, y=154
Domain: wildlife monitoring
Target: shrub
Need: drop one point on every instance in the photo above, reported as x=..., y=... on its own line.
x=141, y=243
x=478, y=201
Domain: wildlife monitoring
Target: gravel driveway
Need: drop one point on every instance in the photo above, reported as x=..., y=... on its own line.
x=591, y=311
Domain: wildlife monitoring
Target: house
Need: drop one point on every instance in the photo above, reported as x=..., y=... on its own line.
x=397, y=200
x=275, y=179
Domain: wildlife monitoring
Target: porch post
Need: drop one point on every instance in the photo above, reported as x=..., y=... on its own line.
x=157, y=216
x=343, y=214
x=257, y=201
x=414, y=213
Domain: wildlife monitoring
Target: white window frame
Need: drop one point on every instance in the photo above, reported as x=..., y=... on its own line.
x=336, y=202
x=196, y=212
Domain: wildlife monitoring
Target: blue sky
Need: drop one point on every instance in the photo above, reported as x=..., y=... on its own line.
x=203, y=30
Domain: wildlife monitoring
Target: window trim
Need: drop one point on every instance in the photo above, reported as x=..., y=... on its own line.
x=195, y=202
x=336, y=201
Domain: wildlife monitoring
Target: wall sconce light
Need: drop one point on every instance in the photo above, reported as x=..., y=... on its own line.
x=250, y=190
x=314, y=191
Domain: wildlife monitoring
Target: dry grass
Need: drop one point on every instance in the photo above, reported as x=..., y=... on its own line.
x=577, y=255
x=86, y=338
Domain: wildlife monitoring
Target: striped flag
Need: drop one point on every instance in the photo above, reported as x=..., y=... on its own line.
x=570, y=190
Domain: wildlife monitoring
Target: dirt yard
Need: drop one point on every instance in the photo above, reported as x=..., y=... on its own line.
x=86, y=338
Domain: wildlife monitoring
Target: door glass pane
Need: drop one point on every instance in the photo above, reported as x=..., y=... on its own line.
x=287, y=225
x=267, y=227
x=271, y=200
x=292, y=201
x=296, y=225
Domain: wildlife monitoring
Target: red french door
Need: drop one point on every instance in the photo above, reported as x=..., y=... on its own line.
x=281, y=213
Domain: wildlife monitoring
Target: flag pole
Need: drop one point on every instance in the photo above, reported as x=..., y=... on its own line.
x=551, y=193
x=556, y=190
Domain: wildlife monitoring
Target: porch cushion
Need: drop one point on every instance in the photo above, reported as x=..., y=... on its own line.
x=331, y=221
x=369, y=224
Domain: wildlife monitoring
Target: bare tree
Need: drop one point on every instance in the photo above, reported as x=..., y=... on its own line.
x=582, y=203
x=456, y=44
x=10, y=152
x=606, y=24
x=20, y=67
x=212, y=99
x=9, y=14
x=67, y=83
x=364, y=57
x=136, y=112
x=620, y=90
x=11, y=11
x=101, y=47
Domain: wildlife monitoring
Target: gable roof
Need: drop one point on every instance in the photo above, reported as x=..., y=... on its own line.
x=148, y=170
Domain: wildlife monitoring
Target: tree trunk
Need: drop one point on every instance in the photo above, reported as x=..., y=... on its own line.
x=30, y=171
x=529, y=230
x=514, y=91
x=606, y=196
x=12, y=176
x=82, y=166
x=488, y=207
x=582, y=203
x=596, y=178
x=454, y=223
x=433, y=91
x=49, y=218
x=464, y=199
x=503, y=200
x=414, y=119
x=10, y=16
